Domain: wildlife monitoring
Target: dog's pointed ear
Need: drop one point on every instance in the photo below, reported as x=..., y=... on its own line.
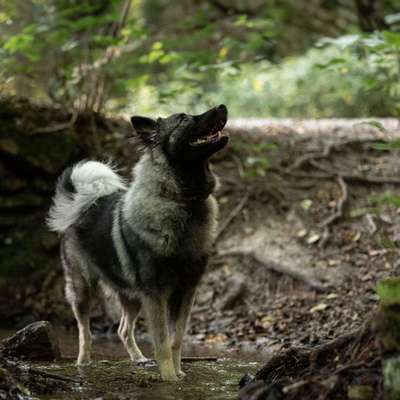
x=144, y=127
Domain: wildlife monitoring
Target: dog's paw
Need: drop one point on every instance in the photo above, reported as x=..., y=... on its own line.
x=84, y=362
x=169, y=377
x=180, y=374
x=145, y=363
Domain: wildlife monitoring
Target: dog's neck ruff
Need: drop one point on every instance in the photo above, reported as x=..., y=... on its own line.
x=168, y=194
x=181, y=185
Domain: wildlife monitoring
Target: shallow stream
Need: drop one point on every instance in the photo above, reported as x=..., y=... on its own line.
x=112, y=376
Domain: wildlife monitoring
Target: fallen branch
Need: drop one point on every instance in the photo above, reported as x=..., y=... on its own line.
x=301, y=276
x=232, y=215
x=48, y=375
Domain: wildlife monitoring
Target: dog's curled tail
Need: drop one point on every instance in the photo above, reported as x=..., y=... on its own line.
x=77, y=189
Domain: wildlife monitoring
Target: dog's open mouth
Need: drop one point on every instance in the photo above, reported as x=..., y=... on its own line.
x=213, y=136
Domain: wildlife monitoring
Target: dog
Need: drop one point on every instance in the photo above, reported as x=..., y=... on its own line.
x=147, y=241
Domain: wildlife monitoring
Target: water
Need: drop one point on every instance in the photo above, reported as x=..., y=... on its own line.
x=112, y=376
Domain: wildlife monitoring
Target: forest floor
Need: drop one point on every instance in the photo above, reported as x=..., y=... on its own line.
x=310, y=224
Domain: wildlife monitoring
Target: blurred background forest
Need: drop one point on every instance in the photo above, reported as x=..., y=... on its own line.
x=264, y=58
x=310, y=198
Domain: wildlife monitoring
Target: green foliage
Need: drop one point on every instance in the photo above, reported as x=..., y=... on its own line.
x=168, y=55
x=393, y=145
x=386, y=198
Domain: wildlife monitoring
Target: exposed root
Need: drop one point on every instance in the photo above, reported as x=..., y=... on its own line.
x=379, y=180
x=340, y=204
x=327, y=371
x=232, y=215
x=299, y=275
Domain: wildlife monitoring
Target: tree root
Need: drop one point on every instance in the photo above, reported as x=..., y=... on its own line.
x=340, y=204
x=304, y=277
x=379, y=180
x=232, y=215
x=327, y=371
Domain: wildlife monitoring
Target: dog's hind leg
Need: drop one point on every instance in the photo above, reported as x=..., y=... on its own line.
x=157, y=309
x=78, y=294
x=79, y=298
x=180, y=306
x=130, y=312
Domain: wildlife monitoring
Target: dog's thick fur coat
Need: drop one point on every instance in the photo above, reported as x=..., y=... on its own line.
x=148, y=241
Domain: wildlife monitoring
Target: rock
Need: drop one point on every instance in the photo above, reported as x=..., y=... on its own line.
x=36, y=341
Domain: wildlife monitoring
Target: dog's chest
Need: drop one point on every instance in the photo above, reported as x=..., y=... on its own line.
x=193, y=231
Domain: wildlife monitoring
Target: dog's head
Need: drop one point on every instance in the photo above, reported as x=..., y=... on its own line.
x=184, y=138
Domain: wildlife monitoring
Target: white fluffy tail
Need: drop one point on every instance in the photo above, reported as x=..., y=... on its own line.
x=77, y=189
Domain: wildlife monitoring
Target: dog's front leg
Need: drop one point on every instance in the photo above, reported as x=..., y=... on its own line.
x=156, y=310
x=182, y=317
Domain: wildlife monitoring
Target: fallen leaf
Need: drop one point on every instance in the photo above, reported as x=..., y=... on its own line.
x=319, y=307
x=267, y=321
x=357, y=236
x=313, y=238
x=360, y=392
x=306, y=204
x=332, y=296
x=302, y=233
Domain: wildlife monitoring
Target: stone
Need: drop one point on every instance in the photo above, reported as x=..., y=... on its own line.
x=37, y=341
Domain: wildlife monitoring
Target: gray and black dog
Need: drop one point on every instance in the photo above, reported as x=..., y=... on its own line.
x=149, y=241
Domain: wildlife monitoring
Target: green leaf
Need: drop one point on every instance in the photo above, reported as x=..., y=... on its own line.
x=393, y=145
x=375, y=124
x=330, y=63
x=392, y=38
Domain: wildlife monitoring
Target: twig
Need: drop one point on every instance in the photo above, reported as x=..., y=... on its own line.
x=339, y=209
x=50, y=375
x=58, y=127
x=232, y=215
x=303, y=277
x=297, y=174
x=324, y=237
x=202, y=358
x=239, y=165
x=311, y=156
x=371, y=223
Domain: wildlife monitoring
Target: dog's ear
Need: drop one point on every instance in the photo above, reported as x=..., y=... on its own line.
x=145, y=128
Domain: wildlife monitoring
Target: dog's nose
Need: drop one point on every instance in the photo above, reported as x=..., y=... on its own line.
x=222, y=107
